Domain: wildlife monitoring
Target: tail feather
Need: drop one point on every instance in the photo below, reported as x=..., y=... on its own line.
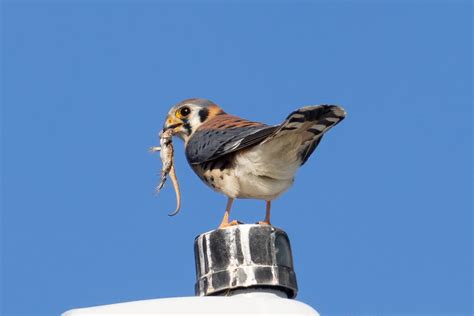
x=312, y=122
x=320, y=118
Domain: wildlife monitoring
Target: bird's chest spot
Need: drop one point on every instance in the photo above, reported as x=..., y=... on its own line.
x=215, y=178
x=221, y=178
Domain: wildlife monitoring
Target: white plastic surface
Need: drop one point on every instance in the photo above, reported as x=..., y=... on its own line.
x=244, y=304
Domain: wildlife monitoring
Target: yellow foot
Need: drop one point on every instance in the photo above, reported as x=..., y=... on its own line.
x=225, y=225
x=264, y=223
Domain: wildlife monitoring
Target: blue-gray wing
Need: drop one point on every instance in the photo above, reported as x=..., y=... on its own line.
x=223, y=135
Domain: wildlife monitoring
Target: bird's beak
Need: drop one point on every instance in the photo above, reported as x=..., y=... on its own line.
x=171, y=123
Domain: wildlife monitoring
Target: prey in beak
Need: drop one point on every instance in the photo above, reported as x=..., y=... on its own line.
x=167, y=158
x=182, y=120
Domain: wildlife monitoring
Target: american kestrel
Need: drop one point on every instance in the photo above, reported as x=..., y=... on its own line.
x=243, y=159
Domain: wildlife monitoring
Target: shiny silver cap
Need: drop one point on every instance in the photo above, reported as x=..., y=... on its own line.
x=244, y=256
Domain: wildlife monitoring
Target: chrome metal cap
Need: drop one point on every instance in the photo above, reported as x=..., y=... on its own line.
x=244, y=256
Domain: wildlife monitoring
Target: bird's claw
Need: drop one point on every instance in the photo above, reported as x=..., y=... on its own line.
x=265, y=223
x=229, y=224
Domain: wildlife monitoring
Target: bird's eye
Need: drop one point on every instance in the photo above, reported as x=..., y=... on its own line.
x=183, y=112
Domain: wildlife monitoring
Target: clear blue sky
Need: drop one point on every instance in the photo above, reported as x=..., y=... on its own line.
x=380, y=218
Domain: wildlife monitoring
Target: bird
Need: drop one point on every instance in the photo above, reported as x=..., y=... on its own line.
x=243, y=159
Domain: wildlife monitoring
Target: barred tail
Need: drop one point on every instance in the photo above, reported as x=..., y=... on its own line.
x=312, y=122
x=314, y=119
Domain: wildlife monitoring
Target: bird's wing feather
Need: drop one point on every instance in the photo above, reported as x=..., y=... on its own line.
x=225, y=134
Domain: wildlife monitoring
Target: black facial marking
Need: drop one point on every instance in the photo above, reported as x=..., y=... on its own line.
x=187, y=127
x=203, y=114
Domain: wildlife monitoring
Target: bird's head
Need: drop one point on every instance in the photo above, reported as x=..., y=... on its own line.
x=185, y=117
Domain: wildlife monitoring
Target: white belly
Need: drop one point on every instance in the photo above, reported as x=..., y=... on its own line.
x=241, y=183
x=262, y=172
x=267, y=170
x=261, y=187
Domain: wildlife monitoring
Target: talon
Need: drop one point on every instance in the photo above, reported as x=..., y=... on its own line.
x=233, y=223
x=264, y=223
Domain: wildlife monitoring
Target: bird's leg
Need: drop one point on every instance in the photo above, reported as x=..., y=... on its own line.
x=225, y=220
x=266, y=221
